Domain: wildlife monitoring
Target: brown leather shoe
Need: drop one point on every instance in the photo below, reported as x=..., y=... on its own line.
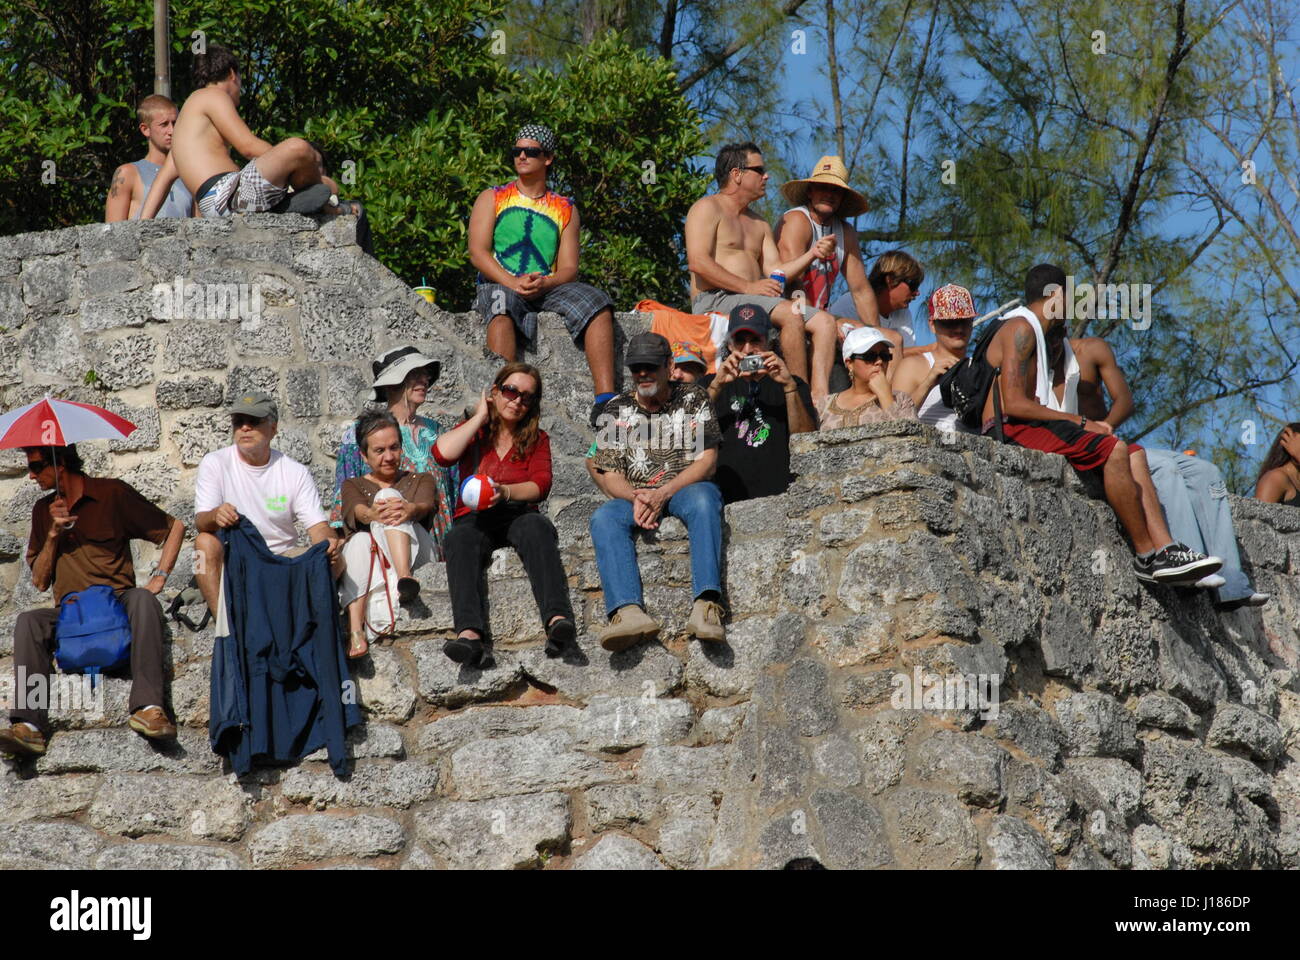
x=152, y=723
x=21, y=740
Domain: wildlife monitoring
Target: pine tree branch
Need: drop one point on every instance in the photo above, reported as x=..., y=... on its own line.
x=713, y=59
x=1222, y=394
x=1129, y=203
x=833, y=67
x=668, y=30
x=907, y=119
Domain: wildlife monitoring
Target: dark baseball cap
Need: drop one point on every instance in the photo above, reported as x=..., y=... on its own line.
x=649, y=348
x=751, y=317
x=256, y=404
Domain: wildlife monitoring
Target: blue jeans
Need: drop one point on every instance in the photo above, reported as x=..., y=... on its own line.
x=1195, y=499
x=698, y=505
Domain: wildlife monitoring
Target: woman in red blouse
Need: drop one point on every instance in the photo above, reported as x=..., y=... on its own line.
x=503, y=440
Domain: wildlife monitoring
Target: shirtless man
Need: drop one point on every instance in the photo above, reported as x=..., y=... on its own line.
x=1191, y=492
x=208, y=126
x=131, y=181
x=731, y=253
x=1033, y=416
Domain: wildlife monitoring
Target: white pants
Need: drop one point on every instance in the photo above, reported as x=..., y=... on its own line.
x=359, y=569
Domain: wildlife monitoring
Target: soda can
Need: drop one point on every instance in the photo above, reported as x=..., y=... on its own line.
x=779, y=277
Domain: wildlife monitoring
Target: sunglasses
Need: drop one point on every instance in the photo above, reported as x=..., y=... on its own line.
x=760, y=170
x=511, y=392
x=531, y=152
x=881, y=356
x=36, y=466
x=637, y=368
x=244, y=420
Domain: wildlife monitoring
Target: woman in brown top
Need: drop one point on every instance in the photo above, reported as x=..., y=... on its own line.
x=386, y=513
x=870, y=397
x=1279, y=476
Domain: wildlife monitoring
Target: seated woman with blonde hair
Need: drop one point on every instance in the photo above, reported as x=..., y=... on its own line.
x=386, y=514
x=870, y=397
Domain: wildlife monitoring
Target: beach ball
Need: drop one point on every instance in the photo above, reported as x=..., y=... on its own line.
x=476, y=490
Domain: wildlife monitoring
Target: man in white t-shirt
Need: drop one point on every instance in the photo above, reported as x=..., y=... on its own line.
x=250, y=479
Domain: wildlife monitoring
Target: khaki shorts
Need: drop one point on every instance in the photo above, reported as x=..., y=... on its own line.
x=720, y=301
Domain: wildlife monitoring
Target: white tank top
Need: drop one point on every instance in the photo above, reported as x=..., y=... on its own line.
x=933, y=411
x=830, y=269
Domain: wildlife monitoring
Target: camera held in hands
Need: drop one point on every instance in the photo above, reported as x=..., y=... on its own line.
x=752, y=364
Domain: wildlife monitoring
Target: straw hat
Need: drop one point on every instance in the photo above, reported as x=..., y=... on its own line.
x=832, y=172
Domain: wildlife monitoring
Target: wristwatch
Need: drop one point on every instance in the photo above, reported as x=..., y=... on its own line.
x=160, y=572
x=1083, y=422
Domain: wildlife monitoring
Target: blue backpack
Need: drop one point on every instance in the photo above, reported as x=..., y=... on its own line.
x=93, y=632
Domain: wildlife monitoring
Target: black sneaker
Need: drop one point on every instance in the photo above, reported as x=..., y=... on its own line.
x=1179, y=563
x=1143, y=569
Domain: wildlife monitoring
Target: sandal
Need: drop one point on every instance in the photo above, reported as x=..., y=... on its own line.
x=357, y=646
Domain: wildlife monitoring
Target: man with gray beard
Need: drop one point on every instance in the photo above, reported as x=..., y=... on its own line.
x=656, y=448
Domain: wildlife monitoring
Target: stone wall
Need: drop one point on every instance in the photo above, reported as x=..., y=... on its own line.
x=1134, y=726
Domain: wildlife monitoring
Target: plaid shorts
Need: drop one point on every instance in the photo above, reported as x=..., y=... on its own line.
x=576, y=302
x=244, y=192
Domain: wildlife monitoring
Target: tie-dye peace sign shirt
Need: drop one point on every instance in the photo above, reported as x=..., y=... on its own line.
x=526, y=235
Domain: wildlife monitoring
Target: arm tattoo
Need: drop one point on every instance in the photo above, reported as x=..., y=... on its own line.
x=1024, y=352
x=117, y=181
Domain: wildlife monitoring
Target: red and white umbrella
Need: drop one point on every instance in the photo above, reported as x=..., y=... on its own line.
x=57, y=423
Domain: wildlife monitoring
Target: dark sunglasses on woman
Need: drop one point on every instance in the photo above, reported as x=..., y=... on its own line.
x=882, y=355
x=511, y=392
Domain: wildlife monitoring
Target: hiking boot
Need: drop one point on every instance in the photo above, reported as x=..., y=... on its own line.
x=22, y=740
x=151, y=722
x=706, y=622
x=1179, y=563
x=628, y=626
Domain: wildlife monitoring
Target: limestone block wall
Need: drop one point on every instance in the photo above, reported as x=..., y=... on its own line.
x=1135, y=727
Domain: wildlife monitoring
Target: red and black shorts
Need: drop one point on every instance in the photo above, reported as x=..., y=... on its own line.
x=1084, y=449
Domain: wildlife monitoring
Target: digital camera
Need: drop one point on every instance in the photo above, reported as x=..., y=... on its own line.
x=752, y=364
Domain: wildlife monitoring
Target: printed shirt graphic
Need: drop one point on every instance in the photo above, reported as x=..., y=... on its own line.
x=526, y=237
x=650, y=449
x=752, y=427
x=754, y=460
x=820, y=275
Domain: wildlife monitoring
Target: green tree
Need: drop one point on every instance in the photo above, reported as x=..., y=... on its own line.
x=408, y=97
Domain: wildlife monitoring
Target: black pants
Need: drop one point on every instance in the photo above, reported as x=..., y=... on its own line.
x=34, y=647
x=469, y=545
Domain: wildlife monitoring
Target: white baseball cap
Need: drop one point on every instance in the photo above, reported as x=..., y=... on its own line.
x=861, y=339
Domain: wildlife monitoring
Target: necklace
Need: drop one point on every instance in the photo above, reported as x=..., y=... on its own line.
x=520, y=187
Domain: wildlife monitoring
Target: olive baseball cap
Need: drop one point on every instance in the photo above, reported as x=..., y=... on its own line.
x=256, y=404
